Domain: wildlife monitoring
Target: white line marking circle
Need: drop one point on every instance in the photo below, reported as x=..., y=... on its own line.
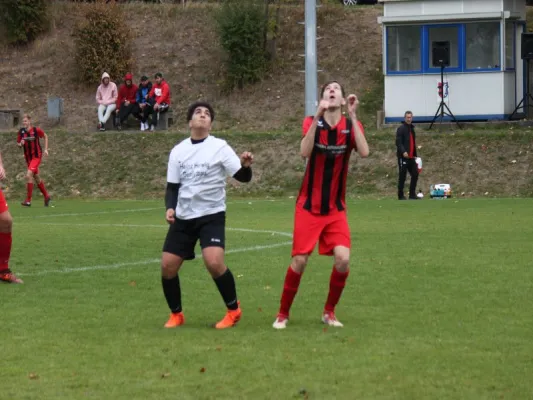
x=154, y=260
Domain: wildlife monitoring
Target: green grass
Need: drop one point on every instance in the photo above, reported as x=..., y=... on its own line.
x=438, y=306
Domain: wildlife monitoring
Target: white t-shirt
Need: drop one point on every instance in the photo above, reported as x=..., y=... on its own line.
x=201, y=170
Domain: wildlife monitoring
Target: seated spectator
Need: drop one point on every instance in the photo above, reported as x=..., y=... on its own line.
x=145, y=108
x=160, y=94
x=106, y=97
x=127, y=102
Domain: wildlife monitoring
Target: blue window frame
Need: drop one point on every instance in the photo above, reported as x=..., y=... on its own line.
x=404, y=50
x=474, y=47
x=483, y=43
x=453, y=33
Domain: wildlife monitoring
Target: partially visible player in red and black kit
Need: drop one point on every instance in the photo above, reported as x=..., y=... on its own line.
x=320, y=216
x=28, y=137
x=6, y=223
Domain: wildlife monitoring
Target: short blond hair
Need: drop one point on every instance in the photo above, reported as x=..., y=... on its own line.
x=26, y=116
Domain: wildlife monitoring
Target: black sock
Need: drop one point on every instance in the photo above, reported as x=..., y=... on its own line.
x=172, y=291
x=226, y=287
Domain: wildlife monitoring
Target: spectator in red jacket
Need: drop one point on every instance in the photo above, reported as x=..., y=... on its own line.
x=160, y=96
x=126, y=101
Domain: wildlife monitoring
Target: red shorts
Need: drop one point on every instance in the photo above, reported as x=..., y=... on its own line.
x=3, y=203
x=329, y=230
x=33, y=165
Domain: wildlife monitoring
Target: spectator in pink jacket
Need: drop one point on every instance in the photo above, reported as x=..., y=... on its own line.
x=106, y=97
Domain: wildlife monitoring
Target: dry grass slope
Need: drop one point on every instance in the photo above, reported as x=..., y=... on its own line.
x=122, y=165
x=182, y=43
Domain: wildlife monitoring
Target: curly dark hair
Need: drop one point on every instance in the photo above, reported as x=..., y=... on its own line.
x=197, y=104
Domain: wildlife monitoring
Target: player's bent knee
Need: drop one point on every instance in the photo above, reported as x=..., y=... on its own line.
x=299, y=263
x=215, y=265
x=169, y=271
x=216, y=268
x=6, y=222
x=170, y=265
x=214, y=260
x=342, y=258
x=342, y=265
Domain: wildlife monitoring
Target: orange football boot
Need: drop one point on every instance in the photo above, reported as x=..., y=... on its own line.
x=230, y=319
x=175, y=319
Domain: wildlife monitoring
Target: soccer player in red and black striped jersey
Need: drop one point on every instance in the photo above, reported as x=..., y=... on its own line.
x=6, y=223
x=28, y=138
x=328, y=141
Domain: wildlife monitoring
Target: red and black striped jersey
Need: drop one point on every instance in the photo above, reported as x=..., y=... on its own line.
x=323, y=188
x=32, y=146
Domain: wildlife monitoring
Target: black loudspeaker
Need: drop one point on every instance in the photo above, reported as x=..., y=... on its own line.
x=441, y=54
x=527, y=46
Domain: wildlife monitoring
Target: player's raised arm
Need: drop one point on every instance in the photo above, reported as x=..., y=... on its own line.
x=308, y=141
x=244, y=174
x=360, y=140
x=237, y=167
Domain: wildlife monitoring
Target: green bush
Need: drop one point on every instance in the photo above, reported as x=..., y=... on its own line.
x=23, y=20
x=103, y=43
x=241, y=27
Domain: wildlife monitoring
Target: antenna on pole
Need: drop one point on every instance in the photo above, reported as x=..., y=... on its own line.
x=311, y=81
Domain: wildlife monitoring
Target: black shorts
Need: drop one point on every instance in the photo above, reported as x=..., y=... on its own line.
x=183, y=234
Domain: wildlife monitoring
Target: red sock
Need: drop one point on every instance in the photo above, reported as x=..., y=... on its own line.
x=43, y=189
x=337, y=282
x=29, y=187
x=290, y=288
x=5, y=250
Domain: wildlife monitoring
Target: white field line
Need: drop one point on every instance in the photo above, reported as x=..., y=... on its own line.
x=129, y=210
x=143, y=262
x=87, y=213
x=238, y=201
x=286, y=234
x=154, y=260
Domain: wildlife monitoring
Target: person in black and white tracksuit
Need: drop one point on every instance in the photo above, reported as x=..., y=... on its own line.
x=406, y=153
x=196, y=210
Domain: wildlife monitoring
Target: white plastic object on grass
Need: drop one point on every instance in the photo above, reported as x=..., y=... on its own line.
x=419, y=164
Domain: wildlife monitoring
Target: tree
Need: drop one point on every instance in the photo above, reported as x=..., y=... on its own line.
x=23, y=20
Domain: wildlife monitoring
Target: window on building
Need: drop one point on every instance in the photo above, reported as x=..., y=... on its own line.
x=472, y=46
x=509, y=45
x=403, y=48
x=482, y=44
x=445, y=34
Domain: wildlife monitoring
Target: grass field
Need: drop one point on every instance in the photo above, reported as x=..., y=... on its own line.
x=438, y=306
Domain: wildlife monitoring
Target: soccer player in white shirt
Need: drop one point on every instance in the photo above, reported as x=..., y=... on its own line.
x=196, y=210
